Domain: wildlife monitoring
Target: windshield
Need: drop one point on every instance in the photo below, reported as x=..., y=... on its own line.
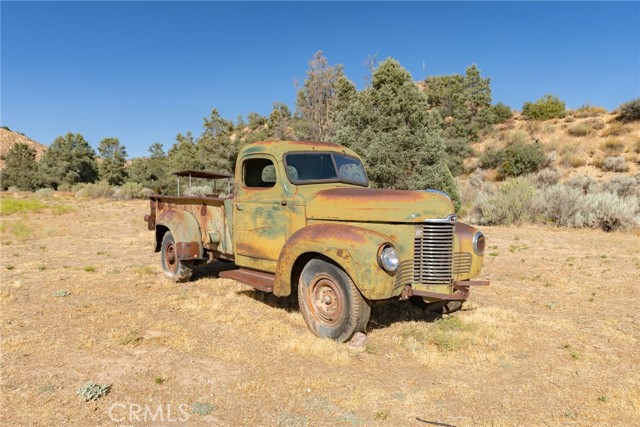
x=310, y=168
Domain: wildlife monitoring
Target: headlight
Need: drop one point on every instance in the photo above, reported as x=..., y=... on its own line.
x=387, y=257
x=478, y=243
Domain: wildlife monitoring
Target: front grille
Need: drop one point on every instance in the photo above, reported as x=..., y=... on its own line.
x=461, y=263
x=433, y=253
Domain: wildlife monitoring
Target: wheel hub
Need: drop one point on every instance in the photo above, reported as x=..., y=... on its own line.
x=327, y=300
x=170, y=257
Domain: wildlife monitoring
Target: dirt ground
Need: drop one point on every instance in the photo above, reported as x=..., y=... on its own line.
x=555, y=339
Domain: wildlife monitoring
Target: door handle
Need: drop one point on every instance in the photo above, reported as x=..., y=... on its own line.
x=239, y=207
x=283, y=202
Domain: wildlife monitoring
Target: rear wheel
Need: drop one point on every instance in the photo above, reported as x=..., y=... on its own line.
x=330, y=303
x=173, y=268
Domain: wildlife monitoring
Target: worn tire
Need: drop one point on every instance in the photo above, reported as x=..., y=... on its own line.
x=176, y=270
x=330, y=303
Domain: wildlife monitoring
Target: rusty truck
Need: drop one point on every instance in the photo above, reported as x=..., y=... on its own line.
x=302, y=217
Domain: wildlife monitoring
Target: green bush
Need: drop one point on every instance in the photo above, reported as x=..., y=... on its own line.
x=630, y=111
x=512, y=203
x=491, y=159
x=520, y=159
x=456, y=151
x=501, y=112
x=547, y=107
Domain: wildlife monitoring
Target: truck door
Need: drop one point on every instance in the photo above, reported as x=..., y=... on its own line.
x=259, y=220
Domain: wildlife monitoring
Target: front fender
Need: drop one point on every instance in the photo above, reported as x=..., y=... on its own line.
x=354, y=249
x=186, y=233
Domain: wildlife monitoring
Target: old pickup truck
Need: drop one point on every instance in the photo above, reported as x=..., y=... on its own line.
x=303, y=217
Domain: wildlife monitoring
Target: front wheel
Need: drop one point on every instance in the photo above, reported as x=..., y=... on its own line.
x=173, y=268
x=330, y=303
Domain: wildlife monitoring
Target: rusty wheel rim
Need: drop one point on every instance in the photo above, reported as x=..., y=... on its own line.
x=326, y=299
x=170, y=257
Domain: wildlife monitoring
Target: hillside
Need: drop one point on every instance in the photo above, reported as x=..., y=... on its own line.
x=578, y=144
x=8, y=138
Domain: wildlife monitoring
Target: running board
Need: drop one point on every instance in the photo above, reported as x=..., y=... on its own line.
x=260, y=280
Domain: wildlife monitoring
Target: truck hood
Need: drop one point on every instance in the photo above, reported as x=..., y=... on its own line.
x=377, y=205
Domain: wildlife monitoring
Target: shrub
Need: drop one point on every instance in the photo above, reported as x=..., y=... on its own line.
x=589, y=111
x=609, y=212
x=614, y=129
x=547, y=107
x=597, y=124
x=612, y=146
x=511, y=204
x=131, y=190
x=623, y=186
x=93, y=391
x=549, y=159
x=630, y=111
x=501, y=112
x=520, y=159
x=584, y=183
x=561, y=205
x=580, y=129
x=98, y=190
x=491, y=159
x=45, y=193
x=615, y=164
x=456, y=151
x=570, y=119
x=198, y=190
x=546, y=178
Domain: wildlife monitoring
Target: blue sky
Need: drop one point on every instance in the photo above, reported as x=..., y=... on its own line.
x=145, y=71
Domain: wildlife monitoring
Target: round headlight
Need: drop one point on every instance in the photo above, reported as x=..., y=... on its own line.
x=388, y=258
x=478, y=243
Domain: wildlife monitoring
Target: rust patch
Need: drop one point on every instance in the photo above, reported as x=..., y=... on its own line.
x=188, y=250
x=372, y=194
x=203, y=210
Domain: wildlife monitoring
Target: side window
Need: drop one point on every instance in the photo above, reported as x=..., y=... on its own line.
x=259, y=173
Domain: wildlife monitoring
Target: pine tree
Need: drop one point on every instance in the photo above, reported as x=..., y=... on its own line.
x=21, y=168
x=389, y=124
x=316, y=98
x=69, y=160
x=114, y=158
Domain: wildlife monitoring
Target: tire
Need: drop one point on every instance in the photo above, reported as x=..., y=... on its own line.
x=330, y=303
x=176, y=270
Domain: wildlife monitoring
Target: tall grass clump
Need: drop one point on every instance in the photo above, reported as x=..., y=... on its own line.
x=510, y=204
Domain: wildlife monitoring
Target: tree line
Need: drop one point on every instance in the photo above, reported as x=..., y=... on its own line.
x=411, y=135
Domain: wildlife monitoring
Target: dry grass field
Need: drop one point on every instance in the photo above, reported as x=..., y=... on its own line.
x=554, y=341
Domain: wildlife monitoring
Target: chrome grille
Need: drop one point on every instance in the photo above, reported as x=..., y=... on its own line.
x=461, y=263
x=433, y=253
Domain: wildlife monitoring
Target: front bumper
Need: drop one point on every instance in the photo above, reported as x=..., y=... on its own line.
x=460, y=293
